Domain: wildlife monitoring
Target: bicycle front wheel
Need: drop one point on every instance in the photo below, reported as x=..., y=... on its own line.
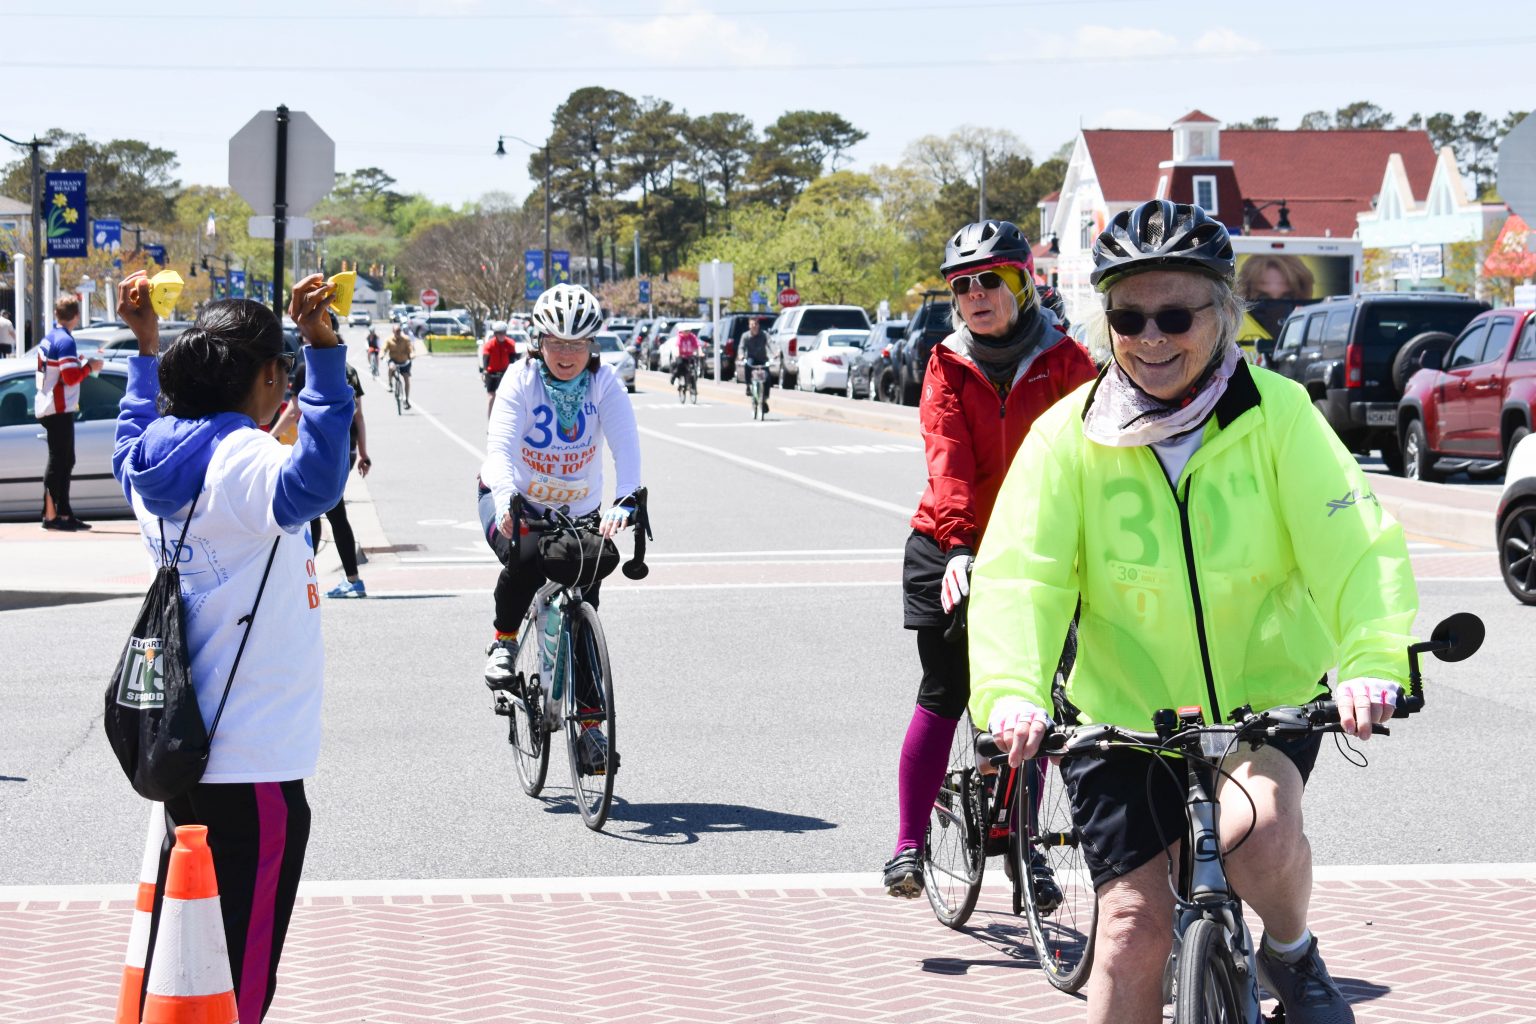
x=1059, y=901
x=590, y=734
x=954, y=853
x=1207, y=988
x=525, y=728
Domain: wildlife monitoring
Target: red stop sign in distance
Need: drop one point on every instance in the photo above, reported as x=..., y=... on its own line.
x=429, y=297
x=789, y=297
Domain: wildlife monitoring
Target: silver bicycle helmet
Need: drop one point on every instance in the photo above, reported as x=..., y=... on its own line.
x=567, y=311
x=1161, y=235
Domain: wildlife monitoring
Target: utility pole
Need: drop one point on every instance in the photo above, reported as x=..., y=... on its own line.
x=36, y=145
x=637, y=252
x=981, y=212
x=279, y=212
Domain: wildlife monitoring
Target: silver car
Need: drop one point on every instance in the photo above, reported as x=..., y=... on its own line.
x=24, y=446
x=613, y=353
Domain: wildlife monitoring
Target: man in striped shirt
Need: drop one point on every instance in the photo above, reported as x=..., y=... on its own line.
x=59, y=373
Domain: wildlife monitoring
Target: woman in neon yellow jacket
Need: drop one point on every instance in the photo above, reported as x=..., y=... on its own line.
x=1226, y=550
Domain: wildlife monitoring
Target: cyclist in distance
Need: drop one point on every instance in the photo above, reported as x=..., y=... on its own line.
x=550, y=420
x=687, y=354
x=400, y=348
x=496, y=355
x=373, y=351
x=1007, y=361
x=1226, y=551
x=754, y=352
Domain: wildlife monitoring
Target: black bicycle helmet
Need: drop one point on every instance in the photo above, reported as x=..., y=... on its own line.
x=985, y=243
x=1161, y=235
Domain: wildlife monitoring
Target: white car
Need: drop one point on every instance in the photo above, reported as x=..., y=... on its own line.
x=824, y=359
x=666, y=353
x=1515, y=523
x=796, y=326
x=24, y=450
x=360, y=318
x=613, y=353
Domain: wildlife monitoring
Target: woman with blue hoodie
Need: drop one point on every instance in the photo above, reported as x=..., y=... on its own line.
x=188, y=444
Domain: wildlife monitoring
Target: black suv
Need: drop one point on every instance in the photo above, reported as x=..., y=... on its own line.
x=909, y=357
x=729, y=329
x=1355, y=353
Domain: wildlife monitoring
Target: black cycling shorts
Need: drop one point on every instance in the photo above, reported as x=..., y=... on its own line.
x=922, y=576
x=1120, y=826
x=492, y=381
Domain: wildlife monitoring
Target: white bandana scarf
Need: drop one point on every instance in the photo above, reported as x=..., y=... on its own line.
x=1124, y=416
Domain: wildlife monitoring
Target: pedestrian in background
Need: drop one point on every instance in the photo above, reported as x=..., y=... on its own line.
x=248, y=498
x=59, y=373
x=7, y=335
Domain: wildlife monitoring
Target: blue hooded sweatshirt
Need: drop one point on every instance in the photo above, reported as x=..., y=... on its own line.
x=164, y=458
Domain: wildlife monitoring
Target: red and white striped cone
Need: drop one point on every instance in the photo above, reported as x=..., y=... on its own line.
x=143, y=908
x=189, y=979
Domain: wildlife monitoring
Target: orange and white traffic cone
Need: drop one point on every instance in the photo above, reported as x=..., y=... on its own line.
x=143, y=907
x=189, y=979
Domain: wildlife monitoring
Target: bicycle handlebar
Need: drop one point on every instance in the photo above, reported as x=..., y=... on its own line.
x=554, y=519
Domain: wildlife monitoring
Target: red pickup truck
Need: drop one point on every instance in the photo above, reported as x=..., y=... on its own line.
x=1469, y=411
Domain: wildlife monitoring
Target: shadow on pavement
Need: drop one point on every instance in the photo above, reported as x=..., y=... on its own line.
x=14, y=600
x=679, y=824
x=1357, y=990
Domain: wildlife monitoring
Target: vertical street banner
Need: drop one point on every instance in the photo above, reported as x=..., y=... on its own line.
x=155, y=252
x=562, y=261
x=645, y=292
x=64, y=221
x=107, y=233
x=237, y=284
x=783, y=280
x=533, y=278
x=219, y=289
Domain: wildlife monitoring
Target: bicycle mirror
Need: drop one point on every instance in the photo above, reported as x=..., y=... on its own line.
x=1458, y=637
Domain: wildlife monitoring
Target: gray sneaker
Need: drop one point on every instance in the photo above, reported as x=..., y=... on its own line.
x=1304, y=988
x=498, y=666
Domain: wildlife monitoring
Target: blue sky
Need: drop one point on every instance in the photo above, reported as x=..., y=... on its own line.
x=422, y=88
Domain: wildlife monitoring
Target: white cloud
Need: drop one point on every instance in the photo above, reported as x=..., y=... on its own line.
x=683, y=34
x=1103, y=41
x=1225, y=40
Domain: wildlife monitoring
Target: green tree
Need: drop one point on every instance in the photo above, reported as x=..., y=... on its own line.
x=727, y=143
x=1316, y=121
x=125, y=178
x=1264, y=123
x=585, y=155
x=1362, y=115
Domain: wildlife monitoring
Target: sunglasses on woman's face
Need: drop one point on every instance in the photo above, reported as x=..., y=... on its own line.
x=286, y=358
x=986, y=280
x=1128, y=323
x=566, y=344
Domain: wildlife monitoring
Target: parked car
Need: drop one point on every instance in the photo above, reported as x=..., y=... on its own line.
x=909, y=357
x=116, y=341
x=24, y=454
x=1515, y=523
x=870, y=374
x=1355, y=353
x=729, y=329
x=797, y=325
x=824, y=359
x=360, y=318
x=1476, y=403
x=613, y=353
x=649, y=356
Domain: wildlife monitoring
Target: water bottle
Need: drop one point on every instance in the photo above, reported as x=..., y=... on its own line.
x=549, y=646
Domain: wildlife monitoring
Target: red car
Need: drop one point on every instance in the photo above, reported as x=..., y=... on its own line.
x=1471, y=410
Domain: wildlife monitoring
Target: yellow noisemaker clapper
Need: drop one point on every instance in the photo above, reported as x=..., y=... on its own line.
x=343, y=282
x=164, y=289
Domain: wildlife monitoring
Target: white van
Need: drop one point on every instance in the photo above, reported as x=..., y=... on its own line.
x=799, y=324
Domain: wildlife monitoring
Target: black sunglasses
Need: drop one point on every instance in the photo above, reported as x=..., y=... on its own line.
x=1175, y=320
x=986, y=279
x=286, y=358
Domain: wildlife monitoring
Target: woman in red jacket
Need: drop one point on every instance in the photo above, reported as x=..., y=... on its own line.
x=1007, y=361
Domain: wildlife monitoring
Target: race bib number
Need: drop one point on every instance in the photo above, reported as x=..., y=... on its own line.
x=550, y=490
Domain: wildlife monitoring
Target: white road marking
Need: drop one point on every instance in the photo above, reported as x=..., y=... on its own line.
x=849, y=449
x=763, y=467
x=701, y=884
x=478, y=453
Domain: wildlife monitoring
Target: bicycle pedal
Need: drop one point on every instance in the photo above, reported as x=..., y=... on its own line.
x=503, y=706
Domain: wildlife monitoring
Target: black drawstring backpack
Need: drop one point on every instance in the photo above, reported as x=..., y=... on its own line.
x=152, y=719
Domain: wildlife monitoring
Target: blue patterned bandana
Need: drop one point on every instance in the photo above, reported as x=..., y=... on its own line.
x=568, y=397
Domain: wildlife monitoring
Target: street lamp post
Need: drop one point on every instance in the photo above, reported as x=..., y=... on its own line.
x=1250, y=211
x=501, y=150
x=814, y=261
x=36, y=146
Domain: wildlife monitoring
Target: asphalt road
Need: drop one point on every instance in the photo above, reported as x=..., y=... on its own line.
x=763, y=682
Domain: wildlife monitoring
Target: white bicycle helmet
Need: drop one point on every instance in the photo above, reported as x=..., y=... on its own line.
x=567, y=311
x=499, y=327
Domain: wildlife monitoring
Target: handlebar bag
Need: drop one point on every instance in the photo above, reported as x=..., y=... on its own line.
x=577, y=559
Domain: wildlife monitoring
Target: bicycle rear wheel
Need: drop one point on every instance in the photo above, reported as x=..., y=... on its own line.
x=525, y=727
x=1059, y=901
x=397, y=388
x=1208, y=990
x=954, y=855
x=589, y=702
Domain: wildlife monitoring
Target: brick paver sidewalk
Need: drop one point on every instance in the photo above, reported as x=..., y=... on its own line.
x=1433, y=952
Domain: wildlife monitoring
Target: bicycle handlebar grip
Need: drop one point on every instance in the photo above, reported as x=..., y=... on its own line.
x=955, y=632
x=635, y=568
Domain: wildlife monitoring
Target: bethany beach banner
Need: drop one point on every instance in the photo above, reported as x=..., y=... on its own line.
x=64, y=221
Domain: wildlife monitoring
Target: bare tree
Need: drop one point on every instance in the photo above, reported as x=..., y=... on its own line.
x=476, y=258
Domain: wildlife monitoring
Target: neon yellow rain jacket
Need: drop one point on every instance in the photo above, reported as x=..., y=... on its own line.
x=1271, y=563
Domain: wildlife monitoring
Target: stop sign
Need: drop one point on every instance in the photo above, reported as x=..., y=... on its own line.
x=429, y=297
x=789, y=297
